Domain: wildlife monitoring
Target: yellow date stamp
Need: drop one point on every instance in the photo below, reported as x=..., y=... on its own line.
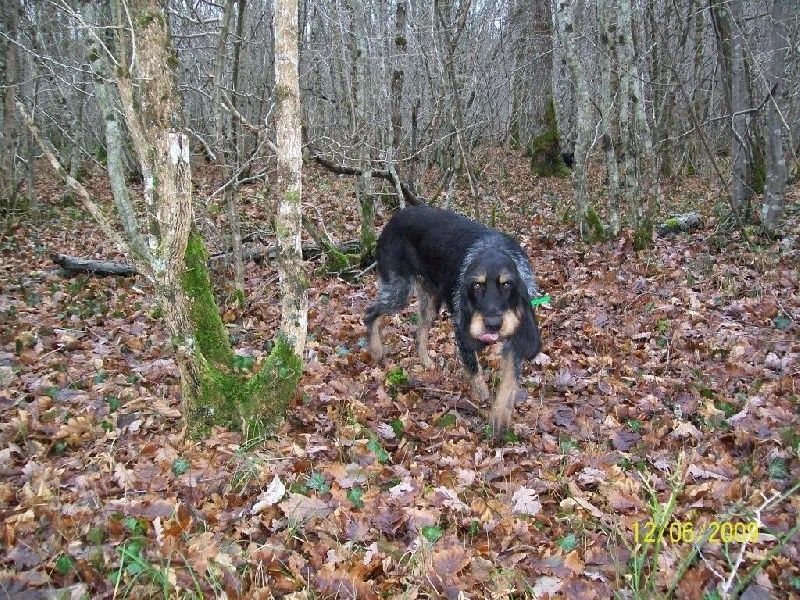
x=686, y=532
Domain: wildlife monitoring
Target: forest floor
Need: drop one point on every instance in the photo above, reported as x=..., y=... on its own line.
x=657, y=452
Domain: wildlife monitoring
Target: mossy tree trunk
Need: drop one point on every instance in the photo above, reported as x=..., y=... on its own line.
x=545, y=148
x=162, y=244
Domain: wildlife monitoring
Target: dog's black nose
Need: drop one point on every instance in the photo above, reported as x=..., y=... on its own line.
x=493, y=323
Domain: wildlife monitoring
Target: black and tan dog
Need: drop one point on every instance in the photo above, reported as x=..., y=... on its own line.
x=484, y=278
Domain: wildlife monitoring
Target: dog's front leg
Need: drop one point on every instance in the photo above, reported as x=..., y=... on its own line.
x=479, y=391
x=376, y=350
x=503, y=406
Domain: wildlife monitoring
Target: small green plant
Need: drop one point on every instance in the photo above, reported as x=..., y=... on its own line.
x=446, y=420
x=134, y=566
x=396, y=378
x=356, y=496
x=568, y=543
x=397, y=427
x=316, y=481
x=432, y=533
x=375, y=447
x=180, y=466
x=64, y=564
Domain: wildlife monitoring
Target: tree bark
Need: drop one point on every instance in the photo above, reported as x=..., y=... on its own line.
x=777, y=173
x=641, y=187
x=608, y=93
x=730, y=39
x=565, y=17
x=8, y=90
x=292, y=275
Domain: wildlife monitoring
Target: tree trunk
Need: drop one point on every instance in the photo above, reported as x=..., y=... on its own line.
x=641, y=187
x=9, y=76
x=774, y=194
x=226, y=150
x=398, y=78
x=608, y=93
x=730, y=39
x=293, y=278
x=362, y=138
x=590, y=228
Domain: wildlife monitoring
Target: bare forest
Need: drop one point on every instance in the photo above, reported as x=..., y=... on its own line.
x=191, y=197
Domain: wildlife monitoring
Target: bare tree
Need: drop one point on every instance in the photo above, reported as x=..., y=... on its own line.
x=727, y=17
x=9, y=76
x=567, y=23
x=293, y=278
x=777, y=173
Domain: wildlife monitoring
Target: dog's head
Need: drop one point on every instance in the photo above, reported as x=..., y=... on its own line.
x=495, y=304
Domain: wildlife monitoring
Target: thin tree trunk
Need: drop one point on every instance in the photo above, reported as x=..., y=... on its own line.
x=640, y=172
x=730, y=38
x=774, y=194
x=362, y=129
x=608, y=88
x=565, y=17
x=292, y=275
x=226, y=151
x=398, y=78
x=8, y=89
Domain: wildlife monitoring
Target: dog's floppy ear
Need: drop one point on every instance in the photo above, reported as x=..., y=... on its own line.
x=526, y=342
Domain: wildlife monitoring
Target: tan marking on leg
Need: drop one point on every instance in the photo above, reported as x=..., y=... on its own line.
x=427, y=314
x=479, y=391
x=375, y=341
x=503, y=406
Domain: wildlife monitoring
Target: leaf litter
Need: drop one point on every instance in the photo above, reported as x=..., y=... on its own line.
x=687, y=349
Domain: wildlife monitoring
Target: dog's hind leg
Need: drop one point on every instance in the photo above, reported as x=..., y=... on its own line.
x=392, y=298
x=429, y=305
x=503, y=406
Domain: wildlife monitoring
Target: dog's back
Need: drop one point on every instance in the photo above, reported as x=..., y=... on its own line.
x=428, y=242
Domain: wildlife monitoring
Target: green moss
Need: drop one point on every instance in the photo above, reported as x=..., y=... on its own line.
x=643, y=235
x=595, y=230
x=759, y=170
x=546, y=160
x=252, y=405
x=212, y=338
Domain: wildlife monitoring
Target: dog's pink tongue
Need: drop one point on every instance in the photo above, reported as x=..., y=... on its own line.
x=489, y=337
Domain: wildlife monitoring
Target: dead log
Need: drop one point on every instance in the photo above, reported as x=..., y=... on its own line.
x=408, y=194
x=680, y=224
x=72, y=265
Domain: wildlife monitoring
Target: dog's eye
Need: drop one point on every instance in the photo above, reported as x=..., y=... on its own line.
x=478, y=285
x=506, y=285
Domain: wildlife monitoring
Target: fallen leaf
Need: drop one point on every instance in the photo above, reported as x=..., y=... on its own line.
x=525, y=502
x=272, y=495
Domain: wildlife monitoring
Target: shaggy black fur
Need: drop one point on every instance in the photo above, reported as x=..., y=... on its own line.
x=484, y=278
